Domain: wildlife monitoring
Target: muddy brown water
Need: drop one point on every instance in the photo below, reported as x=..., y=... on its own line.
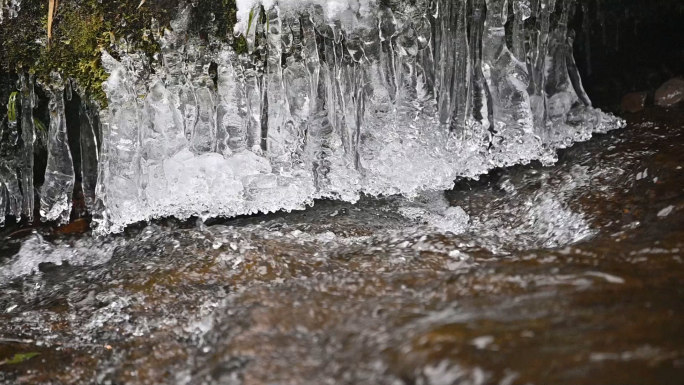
x=571, y=274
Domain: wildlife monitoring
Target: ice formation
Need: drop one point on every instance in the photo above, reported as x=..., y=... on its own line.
x=55, y=197
x=333, y=99
x=9, y=9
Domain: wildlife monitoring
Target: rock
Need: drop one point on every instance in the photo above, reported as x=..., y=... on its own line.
x=633, y=102
x=79, y=226
x=670, y=93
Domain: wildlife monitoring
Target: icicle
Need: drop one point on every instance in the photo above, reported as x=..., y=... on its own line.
x=310, y=56
x=89, y=153
x=250, y=35
x=232, y=109
x=124, y=173
x=28, y=137
x=351, y=85
x=537, y=86
x=10, y=158
x=188, y=107
x=102, y=216
x=164, y=134
x=56, y=194
x=388, y=30
x=478, y=99
x=574, y=71
x=462, y=70
x=320, y=133
x=339, y=148
x=254, y=98
x=3, y=195
x=405, y=45
x=521, y=9
x=317, y=125
x=446, y=59
x=13, y=197
x=507, y=80
x=560, y=93
x=278, y=135
x=167, y=119
x=182, y=97
x=203, y=137
x=298, y=91
x=376, y=108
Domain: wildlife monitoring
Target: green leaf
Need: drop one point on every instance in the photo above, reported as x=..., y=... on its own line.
x=41, y=133
x=249, y=23
x=19, y=358
x=39, y=125
x=12, y=107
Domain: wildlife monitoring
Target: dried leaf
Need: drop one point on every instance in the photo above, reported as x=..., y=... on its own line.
x=51, y=13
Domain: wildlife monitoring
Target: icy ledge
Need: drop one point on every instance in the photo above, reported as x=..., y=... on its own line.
x=333, y=99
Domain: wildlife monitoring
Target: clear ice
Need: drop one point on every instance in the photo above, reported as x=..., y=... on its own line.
x=56, y=193
x=28, y=136
x=332, y=100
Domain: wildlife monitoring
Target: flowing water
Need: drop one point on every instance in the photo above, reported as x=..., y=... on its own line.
x=570, y=274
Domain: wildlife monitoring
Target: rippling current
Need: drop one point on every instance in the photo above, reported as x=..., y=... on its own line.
x=570, y=274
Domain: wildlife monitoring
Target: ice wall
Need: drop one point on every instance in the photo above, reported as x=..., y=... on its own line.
x=333, y=99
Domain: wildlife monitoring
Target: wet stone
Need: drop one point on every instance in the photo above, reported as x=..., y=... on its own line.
x=670, y=93
x=633, y=102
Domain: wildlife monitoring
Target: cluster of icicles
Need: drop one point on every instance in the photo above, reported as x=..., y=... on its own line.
x=9, y=9
x=17, y=142
x=389, y=99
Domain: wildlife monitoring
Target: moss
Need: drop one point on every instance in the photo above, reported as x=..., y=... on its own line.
x=81, y=29
x=21, y=36
x=219, y=18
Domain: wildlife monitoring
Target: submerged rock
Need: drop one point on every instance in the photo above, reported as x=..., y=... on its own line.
x=633, y=102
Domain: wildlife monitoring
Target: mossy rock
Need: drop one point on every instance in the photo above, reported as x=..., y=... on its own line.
x=82, y=29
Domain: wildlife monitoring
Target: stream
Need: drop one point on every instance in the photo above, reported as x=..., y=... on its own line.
x=570, y=274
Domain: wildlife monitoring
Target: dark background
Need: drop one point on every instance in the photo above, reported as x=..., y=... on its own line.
x=635, y=47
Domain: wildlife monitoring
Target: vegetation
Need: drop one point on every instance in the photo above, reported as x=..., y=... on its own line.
x=19, y=358
x=70, y=39
x=12, y=107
